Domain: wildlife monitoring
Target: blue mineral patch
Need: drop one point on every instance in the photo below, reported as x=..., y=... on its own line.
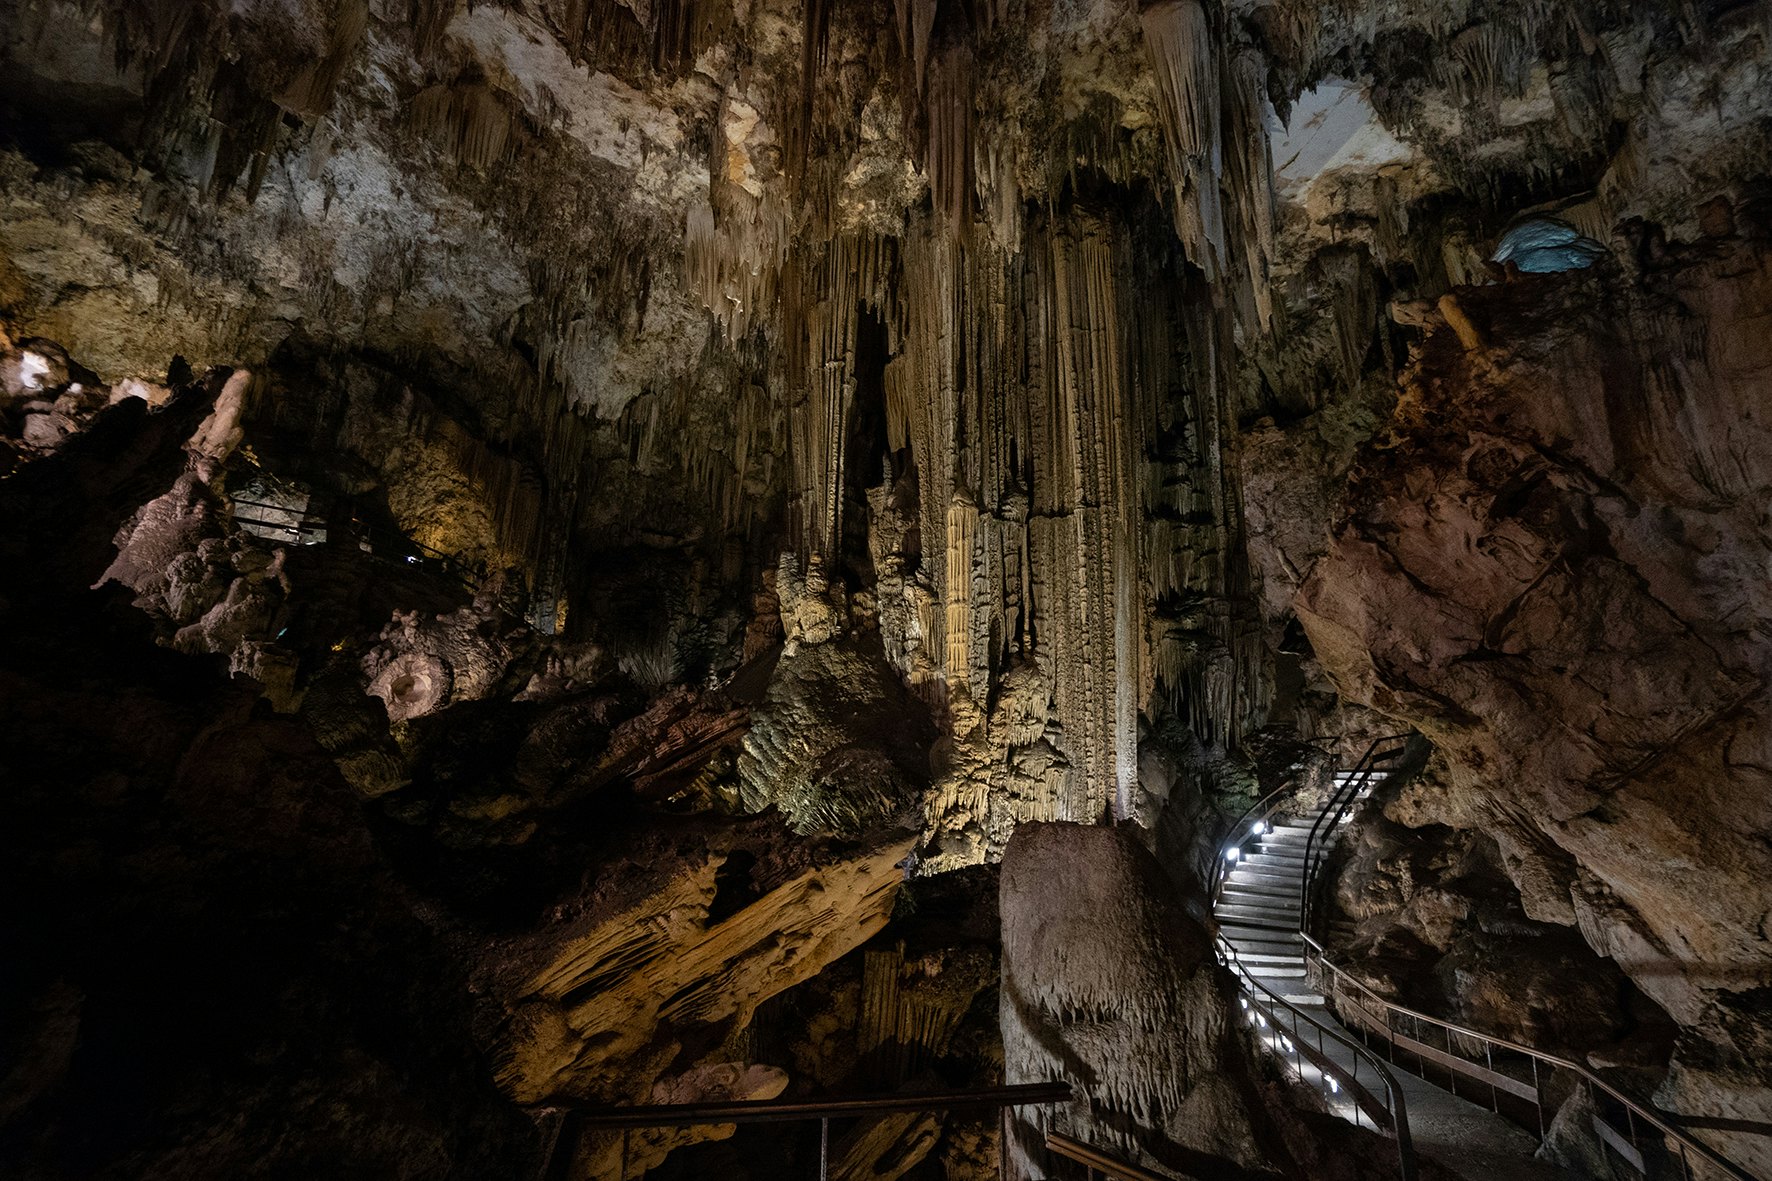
x=1542, y=245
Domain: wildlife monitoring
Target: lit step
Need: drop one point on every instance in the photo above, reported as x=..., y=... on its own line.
x=1282, y=904
x=1280, y=891
x=1261, y=961
x=1277, y=945
x=1268, y=884
x=1278, y=929
x=1260, y=879
x=1261, y=943
x=1269, y=909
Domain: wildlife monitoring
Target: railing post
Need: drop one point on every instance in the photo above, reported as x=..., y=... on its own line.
x=1538, y=1098
x=824, y=1149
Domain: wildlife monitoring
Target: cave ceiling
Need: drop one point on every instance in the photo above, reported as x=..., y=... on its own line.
x=649, y=490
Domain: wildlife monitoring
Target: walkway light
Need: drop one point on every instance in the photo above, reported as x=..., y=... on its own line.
x=1259, y=827
x=1232, y=853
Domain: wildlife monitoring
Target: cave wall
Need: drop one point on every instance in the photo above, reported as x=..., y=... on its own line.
x=1553, y=568
x=865, y=430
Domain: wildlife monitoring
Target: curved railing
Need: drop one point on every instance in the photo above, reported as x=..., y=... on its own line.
x=1376, y=763
x=1374, y=1015
x=1267, y=1009
x=1253, y=822
x=1359, y=1004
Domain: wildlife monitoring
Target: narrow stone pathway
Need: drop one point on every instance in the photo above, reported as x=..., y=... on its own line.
x=1258, y=915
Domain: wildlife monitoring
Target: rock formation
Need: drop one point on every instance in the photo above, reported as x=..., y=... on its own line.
x=551, y=548
x=1552, y=570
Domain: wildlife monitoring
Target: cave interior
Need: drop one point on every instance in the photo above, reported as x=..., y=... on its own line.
x=978, y=589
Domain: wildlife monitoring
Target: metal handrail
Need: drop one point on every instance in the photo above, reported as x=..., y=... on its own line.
x=1636, y=1109
x=1364, y=772
x=1316, y=853
x=1394, y=1102
x=756, y=1111
x=1267, y=805
x=1098, y=1161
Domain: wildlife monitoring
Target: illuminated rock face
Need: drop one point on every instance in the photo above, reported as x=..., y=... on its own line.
x=611, y=1000
x=1108, y=985
x=853, y=433
x=1554, y=570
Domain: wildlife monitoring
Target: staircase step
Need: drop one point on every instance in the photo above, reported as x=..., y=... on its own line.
x=1269, y=940
x=1249, y=916
x=1278, y=903
x=1264, y=882
x=1286, y=849
x=1275, y=862
x=1291, y=996
x=1280, y=910
x=1250, y=883
x=1267, y=959
x=1260, y=930
x=1261, y=877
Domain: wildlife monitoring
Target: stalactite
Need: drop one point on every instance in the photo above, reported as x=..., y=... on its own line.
x=429, y=19
x=468, y=119
x=949, y=154
x=822, y=304
x=999, y=192
x=309, y=94
x=1249, y=176
x=1090, y=420
x=665, y=35
x=916, y=26
x=1179, y=41
x=733, y=264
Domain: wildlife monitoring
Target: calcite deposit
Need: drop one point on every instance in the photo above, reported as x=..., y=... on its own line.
x=558, y=553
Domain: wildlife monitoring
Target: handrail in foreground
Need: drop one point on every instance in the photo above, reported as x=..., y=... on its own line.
x=1393, y=1107
x=752, y=1111
x=1368, y=999
x=1097, y=1160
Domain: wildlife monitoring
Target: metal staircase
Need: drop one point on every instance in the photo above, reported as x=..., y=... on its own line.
x=1476, y=1096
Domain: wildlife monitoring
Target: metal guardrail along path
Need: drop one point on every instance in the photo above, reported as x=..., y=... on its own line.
x=1267, y=898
